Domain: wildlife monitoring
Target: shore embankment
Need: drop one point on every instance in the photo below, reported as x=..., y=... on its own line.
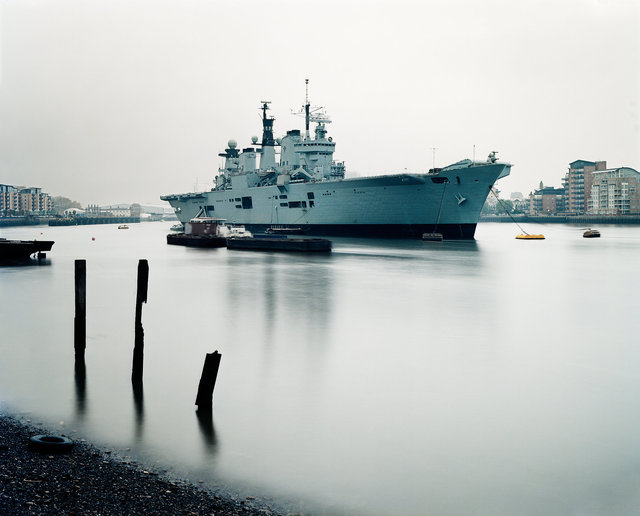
x=564, y=219
x=92, y=481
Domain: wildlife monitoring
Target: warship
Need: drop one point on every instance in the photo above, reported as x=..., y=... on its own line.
x=294, y=182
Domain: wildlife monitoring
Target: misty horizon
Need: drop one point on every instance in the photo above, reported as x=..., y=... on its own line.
x=122, y=102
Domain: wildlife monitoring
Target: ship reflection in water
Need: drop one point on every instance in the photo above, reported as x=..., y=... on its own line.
x=395, y=377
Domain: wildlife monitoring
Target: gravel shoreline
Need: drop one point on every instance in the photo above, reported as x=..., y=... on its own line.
x=92, y=481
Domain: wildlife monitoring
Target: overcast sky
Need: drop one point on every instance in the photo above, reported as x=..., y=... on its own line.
x=122, y=101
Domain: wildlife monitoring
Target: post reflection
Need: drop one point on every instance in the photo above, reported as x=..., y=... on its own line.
x=80, y=377
x=270, y=299
x=138, y=406
x=205, y=423
x=285, y=286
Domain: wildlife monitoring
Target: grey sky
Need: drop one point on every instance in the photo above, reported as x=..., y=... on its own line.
x=122, y=101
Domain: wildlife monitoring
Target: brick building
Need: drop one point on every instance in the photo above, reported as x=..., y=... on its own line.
x=578, y=181
x=548, y=200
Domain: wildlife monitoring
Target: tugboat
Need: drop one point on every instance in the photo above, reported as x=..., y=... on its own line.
x=22, y=250
x=298, y=184
x=200, y=232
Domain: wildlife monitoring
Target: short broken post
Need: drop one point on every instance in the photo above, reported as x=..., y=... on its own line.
x=204, y=399
x=141, y=297
x=80, y=318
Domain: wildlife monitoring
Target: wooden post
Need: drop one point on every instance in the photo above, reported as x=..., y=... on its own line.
x=80, y=319
x=141, y=297
x=204, y=399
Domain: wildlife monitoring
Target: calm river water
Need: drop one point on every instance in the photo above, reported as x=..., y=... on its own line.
x=392, y=377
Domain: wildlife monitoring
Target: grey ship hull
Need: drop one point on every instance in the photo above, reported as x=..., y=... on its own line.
x=393, y=206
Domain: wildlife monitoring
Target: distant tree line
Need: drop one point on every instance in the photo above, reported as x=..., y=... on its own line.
x=500, y=207
x=62, y=203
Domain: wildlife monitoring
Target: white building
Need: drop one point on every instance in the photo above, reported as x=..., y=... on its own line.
x=615, y=191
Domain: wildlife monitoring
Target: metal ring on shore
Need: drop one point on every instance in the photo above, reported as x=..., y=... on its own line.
x=50, y=444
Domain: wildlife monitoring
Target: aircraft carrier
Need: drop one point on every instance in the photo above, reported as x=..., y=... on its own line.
x=294, y=183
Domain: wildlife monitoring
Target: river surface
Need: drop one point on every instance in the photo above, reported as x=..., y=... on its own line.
x=401, y=377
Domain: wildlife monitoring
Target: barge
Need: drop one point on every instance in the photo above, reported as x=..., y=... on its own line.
x=280, y=243
x=22, y=250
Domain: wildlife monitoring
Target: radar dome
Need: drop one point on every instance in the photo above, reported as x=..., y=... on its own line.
x=232, y=144
x=254, y=139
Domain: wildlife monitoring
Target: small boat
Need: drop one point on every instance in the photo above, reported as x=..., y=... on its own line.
x=123, y=226
x=21, y=250
x=286, y=230
x=432, y=237
x=177, y=227
x=233, y=231
x=527, y=236
x=591, y=233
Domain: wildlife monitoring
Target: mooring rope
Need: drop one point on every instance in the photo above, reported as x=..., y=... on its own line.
x=505, y=210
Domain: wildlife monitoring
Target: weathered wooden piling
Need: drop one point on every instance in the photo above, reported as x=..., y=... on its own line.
x=80, y=318
x=204, y=398
x=141, y=297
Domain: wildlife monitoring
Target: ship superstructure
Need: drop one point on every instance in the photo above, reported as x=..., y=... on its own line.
x=294, y=181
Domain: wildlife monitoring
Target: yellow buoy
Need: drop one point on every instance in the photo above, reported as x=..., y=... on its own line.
x=526, y=236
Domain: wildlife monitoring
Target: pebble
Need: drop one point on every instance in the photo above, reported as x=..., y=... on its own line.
x=82, y=483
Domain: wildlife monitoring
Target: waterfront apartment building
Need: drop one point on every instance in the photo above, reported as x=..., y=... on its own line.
x=548, y=200
x=19, y=200
x=93, y=210
x=615, y=191
x=578, y=181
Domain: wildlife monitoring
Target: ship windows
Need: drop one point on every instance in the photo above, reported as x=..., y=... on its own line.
x=285, y=204
x=283, y=197
x=311, y=204
x=239, y=206
x=295, y=204
x=247, y=203
x=440, y=180
x=458, y=179
x=237, y=199
x=310, y=195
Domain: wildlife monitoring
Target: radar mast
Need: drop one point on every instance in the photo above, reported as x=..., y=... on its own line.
x=316, y=114
x=267, y=125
